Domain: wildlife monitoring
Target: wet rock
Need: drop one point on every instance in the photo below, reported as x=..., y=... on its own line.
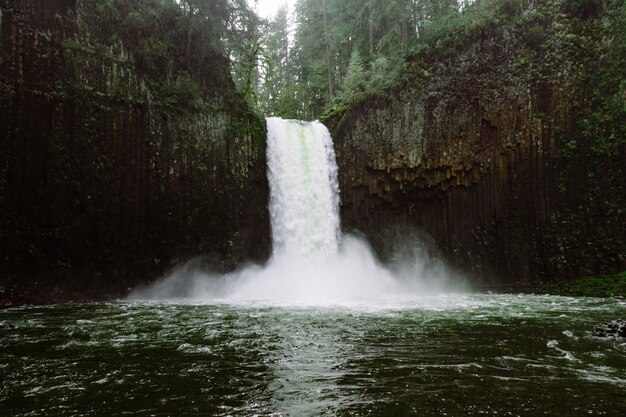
x=611, y=329
x=6, y=326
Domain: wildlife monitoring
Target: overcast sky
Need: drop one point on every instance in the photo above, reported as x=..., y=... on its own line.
x=268, y=8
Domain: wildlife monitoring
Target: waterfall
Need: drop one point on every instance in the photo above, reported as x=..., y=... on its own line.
x=304, y=193
x=311, y=263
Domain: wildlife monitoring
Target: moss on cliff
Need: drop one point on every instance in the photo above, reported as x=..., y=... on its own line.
x=591, y=286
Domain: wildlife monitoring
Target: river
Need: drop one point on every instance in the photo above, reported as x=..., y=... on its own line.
x=455, y=355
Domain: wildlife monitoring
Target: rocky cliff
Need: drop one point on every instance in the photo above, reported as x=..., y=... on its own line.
x=119, y=153
x=506, y=144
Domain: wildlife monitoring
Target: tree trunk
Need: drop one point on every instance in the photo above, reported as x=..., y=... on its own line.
x=404, y=30
x=371, y=34
x=328, y=56
x=189, y=18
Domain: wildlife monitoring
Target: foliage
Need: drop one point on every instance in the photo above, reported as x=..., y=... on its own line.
x=385, y=34
x=354, y=82
x=592, y=286
x=582, y=9
x=197, y=36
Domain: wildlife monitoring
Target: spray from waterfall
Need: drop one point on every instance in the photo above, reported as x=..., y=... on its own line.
x=311, y=263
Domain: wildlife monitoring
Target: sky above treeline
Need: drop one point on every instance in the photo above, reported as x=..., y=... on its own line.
x=268, y=8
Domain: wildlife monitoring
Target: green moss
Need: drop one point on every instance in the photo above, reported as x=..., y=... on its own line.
x=590, y=286
x=341, y=108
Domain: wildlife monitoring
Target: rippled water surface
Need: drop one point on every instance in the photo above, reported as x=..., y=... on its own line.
x=460, y=355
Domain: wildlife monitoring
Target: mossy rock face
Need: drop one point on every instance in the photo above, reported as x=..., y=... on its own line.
x=120, y=157
x=510, y=154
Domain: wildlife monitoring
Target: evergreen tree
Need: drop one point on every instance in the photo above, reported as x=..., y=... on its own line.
x=355, y=80
x=276, y=81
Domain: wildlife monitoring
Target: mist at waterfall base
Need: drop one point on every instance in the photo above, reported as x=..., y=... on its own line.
x=312, y=263
x=350, y=277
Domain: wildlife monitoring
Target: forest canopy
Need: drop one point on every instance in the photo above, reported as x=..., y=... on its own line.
x=325, y=54
x=328, y=53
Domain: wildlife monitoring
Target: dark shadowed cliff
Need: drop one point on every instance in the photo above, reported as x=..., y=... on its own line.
x=123, y=147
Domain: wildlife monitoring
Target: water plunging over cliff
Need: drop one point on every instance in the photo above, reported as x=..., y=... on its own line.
x=311, y=264
x=304, y=194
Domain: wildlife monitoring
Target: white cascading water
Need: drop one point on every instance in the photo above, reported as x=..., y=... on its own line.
x=304, y=193
x=311, y=263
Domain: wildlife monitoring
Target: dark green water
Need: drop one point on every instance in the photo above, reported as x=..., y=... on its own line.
x=459, y=355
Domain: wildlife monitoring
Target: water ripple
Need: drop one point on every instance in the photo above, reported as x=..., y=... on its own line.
x=471, y=354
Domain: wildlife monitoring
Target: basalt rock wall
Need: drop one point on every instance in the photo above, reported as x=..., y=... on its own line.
x=113, y=169
x=475, y=174
x=494, y=152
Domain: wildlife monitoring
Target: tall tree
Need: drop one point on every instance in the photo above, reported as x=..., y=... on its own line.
x=355, y=80
x=329, y=60
x=276, y=75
